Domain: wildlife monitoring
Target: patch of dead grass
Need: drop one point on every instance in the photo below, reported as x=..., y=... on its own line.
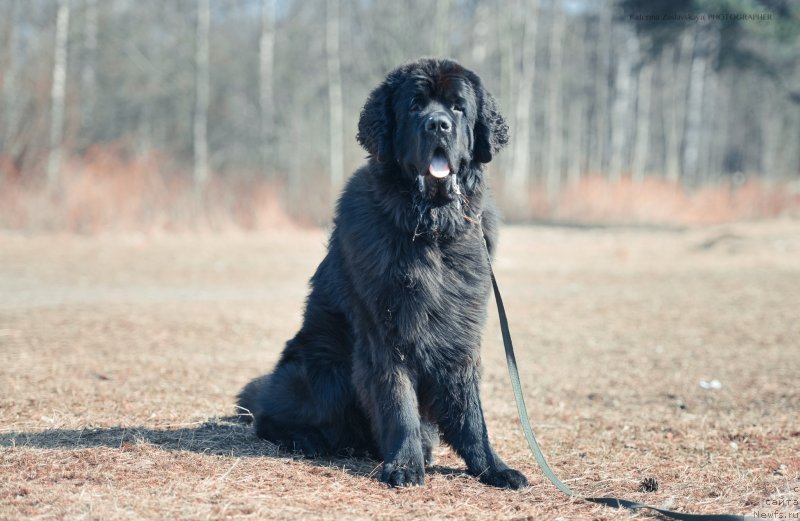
x=122, y=357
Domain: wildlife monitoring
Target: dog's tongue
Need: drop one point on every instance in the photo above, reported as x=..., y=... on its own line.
x=439, y=167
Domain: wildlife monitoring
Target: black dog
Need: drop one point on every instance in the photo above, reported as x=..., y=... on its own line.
x=388, y=354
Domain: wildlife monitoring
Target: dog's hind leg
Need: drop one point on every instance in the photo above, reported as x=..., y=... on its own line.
x=307, y=405
x=307, y=440
x=285, y=411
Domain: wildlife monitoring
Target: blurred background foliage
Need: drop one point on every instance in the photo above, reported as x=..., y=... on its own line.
x=156, y=112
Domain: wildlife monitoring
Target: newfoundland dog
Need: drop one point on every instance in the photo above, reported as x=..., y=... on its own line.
x=387, y=358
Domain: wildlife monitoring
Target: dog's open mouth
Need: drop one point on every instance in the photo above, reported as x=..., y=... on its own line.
x=440, y=166
x=437, y=185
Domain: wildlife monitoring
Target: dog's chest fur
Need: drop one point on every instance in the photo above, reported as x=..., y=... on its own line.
x=442, y=309
x=427, y=295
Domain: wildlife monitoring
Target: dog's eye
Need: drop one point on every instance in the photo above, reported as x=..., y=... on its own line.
x=457, y=107
x=415, y=106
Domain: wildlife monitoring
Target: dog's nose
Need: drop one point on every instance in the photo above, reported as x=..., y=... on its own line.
x=438, y=122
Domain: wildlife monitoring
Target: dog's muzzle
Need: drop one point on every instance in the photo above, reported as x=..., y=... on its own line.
x=433, y=187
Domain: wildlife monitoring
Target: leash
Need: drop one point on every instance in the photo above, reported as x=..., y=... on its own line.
x=613, y=502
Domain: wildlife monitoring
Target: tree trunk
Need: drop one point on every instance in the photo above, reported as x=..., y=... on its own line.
x=266, y=82
x=517, y=184
x=641, y=148
x=480, y=34
x=505, y=44
x=441, y=28
x=11, y=112
x=54, y=181
x=704, y=47
x=710, y=165
x=620, y=109
x=575, y=151
x=555, y=112
x=793, y=137
x=674, y=108
x=771, y=129
x=694, y=116
x=88, y=71
x=599, y=141
x=201, y=97
x=335, y=103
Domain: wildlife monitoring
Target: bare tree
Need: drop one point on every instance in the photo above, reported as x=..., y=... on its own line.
x=673, y=106
x=266, y=79
x=710, y=164
x=574, y=143
x=504, y=30
x=335, y=103
x=88, y=68
x=57, y=93
x=723, y=121
x=517, y=182
x=599, y=141
x=555, y=112
x=641, y=147
x=590, y=102
x=200, y=133
x=480, y=34
x=620, y=108
x=577, y=136
x=442, y=19
x=10, y=89
x=770, y=133
x=694, y=116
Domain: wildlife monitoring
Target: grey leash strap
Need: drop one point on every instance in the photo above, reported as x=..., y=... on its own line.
x=537, y=451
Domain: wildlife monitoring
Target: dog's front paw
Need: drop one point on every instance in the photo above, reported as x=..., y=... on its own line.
x=504, y=478
x=403, y=474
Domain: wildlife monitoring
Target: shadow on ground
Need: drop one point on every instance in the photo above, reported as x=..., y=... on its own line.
x=218, y=436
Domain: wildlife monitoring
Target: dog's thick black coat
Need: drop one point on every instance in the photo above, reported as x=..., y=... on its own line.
x=388, y=356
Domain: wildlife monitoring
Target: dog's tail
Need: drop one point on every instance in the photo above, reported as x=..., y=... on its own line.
x=249, y=398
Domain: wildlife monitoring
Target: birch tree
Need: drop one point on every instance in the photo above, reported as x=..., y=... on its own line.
x=674, y=106
x=709, y=164
x=504, y=30
x=576, y=144
x=11, y=91
x=517, y=182
x=88, y=69
x=620, y=108
x=335, y=104
x=694, y=116
x=57, y=93
x=266, y=80
x=200, y=126
x=480, y=33
x=441, y=31
x=555, y=112
x=641, y=147
x=599, y=140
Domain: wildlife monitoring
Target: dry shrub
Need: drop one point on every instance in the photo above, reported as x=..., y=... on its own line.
x=107, y=190
x=657, y=201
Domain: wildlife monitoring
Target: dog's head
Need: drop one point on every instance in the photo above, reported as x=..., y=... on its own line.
x=434, y=119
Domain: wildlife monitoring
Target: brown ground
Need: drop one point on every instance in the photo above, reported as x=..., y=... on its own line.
x=121, y=356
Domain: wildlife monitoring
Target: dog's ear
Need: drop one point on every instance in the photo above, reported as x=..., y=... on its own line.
x=491, y=130
x=376, y=122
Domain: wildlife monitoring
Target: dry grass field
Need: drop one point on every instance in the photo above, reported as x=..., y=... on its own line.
x=121, y=357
